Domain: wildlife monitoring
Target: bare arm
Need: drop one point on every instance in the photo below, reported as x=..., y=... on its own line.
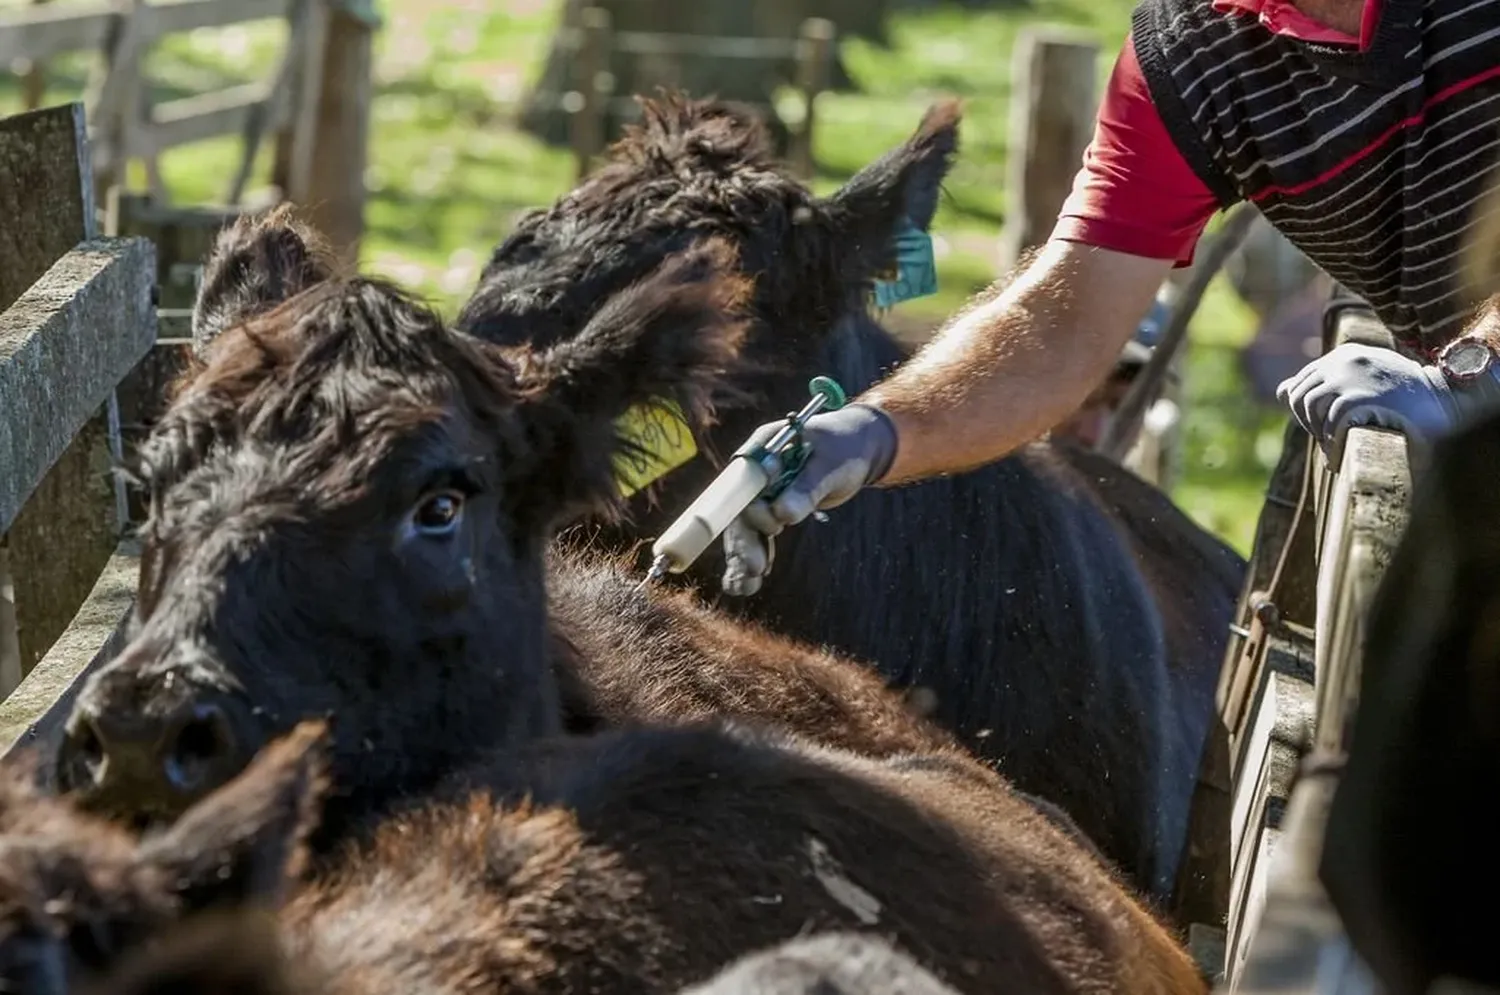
x=1009, y=368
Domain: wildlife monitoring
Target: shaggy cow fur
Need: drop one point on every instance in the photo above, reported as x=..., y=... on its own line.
x=289, y=570
x=636, y=861
x=1069, y=620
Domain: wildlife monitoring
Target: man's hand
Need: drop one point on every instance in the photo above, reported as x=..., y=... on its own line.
x=1363, y=385
x=848, y=449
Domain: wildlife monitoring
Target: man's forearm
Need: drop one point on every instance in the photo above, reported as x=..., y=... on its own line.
x=1010, y=367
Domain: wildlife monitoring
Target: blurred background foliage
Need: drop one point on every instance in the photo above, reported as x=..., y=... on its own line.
x=449, y=169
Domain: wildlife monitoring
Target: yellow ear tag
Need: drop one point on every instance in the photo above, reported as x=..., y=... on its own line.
x=665, y=441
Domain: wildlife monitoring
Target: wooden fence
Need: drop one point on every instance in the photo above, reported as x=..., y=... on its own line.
x=315, y=105
x=78, y=316
x=591, y=102
x=1288, y=685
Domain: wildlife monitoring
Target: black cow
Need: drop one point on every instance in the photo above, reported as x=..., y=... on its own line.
x=1070, y=620
x=633, y=861
x=350, y=514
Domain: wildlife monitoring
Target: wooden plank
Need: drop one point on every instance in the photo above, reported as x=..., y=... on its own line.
x=1366, y=516
x=32, y=716
x=39, y=33
x=1296, y=943
x=301, y=138
x=45, y=197
x=52, y=377
x=588, y=101
x=1251, y=887
x=266, y=118
x=33, y=78
x=189, y=15
x=63, y=346
x=1202, y=891
x=192, y=119
x=815, y=48
x=336, y=193
x=703, y=46
x=47, y=200
x=114, y=95
x=1282, y=729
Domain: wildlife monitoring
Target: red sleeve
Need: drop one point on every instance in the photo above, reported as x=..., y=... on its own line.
x=1135, y=192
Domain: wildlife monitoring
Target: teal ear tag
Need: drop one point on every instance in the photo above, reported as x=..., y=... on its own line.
x=916, y=269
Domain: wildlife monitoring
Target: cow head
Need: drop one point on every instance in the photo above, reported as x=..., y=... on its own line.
x=696, y=168
x=349, y=507
x=78, y=894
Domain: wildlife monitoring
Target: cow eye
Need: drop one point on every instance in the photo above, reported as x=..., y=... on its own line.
x=438, y=514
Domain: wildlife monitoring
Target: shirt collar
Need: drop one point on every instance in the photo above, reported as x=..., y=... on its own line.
x=1282, y=18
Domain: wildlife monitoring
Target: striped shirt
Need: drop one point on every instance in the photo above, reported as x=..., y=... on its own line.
x=1369, y=157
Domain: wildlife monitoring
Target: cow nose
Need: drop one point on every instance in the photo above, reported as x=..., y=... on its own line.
x=130, y=759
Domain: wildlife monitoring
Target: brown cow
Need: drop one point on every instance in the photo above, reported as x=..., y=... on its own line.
x=636, y=860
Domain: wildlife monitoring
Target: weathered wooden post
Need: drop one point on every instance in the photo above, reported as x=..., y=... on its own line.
x=33, y=79
x=1051, y=121
x=814, y=64
x=75, y=316
x=587, y=104
x=336, y=192
x=296, y=142
x=114, y=96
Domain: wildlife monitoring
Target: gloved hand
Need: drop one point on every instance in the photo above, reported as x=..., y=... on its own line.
x=850, y=449
x=1364, y=385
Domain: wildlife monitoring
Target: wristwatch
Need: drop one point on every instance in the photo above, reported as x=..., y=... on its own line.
x=1465, y=359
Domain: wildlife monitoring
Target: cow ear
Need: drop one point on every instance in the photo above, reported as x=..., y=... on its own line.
x=247, y=842
x=668, y=340
x=257, y=262
x=900, y=187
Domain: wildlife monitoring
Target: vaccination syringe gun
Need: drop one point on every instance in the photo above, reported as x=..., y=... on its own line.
x=763, y=471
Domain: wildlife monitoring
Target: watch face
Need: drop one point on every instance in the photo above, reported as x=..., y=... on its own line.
x=1468, y=359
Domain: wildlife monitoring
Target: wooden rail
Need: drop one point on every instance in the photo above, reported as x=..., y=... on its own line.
x=592, y=44
x=1288, y=686
x=1293, y=940
x=78, y=315
x=316, y=103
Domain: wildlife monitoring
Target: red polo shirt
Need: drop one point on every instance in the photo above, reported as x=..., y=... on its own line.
x=1136, y=193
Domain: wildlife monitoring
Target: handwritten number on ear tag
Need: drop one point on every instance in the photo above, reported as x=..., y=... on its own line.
x=662, y=439
x=916, y=268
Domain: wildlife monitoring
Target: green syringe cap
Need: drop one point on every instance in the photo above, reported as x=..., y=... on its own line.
x=833, y=395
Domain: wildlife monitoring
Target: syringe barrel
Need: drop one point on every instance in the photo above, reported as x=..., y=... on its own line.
x=706, y=518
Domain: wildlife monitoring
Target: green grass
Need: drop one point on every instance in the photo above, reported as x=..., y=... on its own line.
x=448, y=171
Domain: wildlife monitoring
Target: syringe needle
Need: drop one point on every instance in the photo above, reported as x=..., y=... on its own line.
x=657, y=572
